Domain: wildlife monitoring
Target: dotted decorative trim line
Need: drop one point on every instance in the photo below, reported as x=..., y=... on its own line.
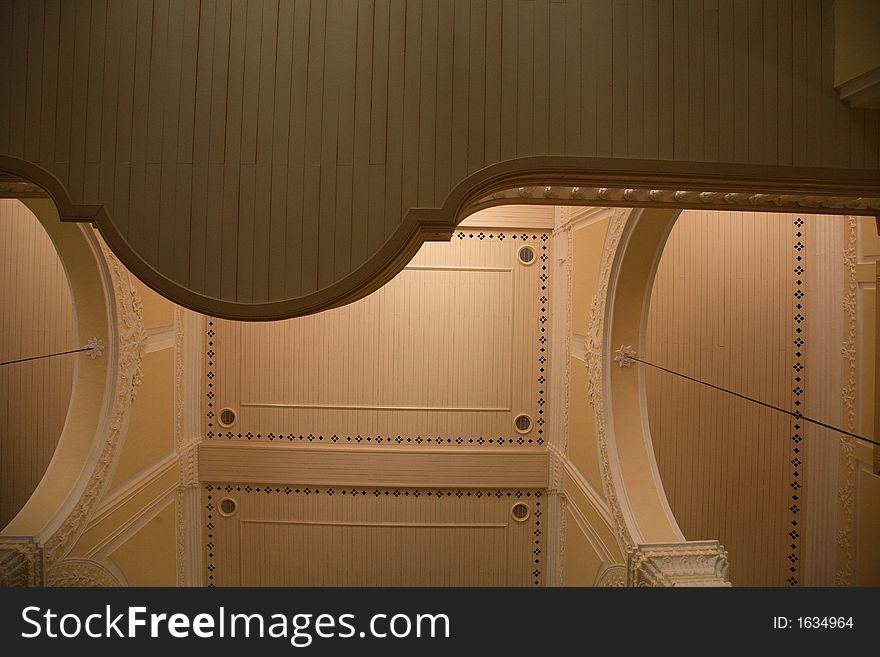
x=798, y=385
x=219, y=489
x=209, y=376
x=216, y=432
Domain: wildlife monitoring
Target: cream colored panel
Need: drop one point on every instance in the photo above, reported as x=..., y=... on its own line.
x=148, y=557
x=448, y=353
x=596, y=519
x=156, y=310
x=263, y=150
x=868, y=239
x=417, y=313
x=296, y=536
x=512, y=216
x=724, y=310
x=372, y=466
x=588, y=243
x=150, y=434
x=36, y=318
x=125, y=507
x=582, y=447
x=582, y=564
x=868, y=529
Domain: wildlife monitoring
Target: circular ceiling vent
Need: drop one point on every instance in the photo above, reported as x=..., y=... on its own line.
x=520, y=512
x=228, y=506
x=526, y=255
x=227, y=417
x=522, y=423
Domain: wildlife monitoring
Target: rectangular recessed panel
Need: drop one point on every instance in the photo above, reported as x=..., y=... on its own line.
x=448, y=353
x=356, y=554
x=279, y=534
x=419, y=353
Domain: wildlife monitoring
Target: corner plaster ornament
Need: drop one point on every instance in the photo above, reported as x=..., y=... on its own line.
x=688, y=564
x=624, y=356
x=593, y=347
x=95, y=347
x=80, y=572
x=21, y=562
x=132, y=339
x=613, y=576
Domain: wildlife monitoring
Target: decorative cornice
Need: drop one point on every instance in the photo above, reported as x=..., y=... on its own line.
x=692, y=563
x=81, y=572
x=130, y=342
x=668, y=197
x=21, y=562
x=10, y=188
x=594, y=357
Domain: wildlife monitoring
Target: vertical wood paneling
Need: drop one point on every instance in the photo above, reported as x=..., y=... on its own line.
x=331, y=536
x=573, y=77
x=476, y=79
x=6, y=18
x=635, y=79
x=354, y=112
x=33, y=101
x=721, y=311
x=36, y=317
x=448, y=349
x=600, y=56
x=665, y=66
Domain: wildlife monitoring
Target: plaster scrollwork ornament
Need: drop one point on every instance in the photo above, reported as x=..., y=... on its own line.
x=80, y=572
x=131, y=339
x=847, y=477
x=691, y=564
x=563, y=531
x=21, y=562
x=594, y=358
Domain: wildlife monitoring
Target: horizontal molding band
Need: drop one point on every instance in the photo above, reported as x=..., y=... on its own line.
x=283, y=464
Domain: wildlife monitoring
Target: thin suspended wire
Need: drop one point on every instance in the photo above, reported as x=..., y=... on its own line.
x=795, y=414
x=60, y=353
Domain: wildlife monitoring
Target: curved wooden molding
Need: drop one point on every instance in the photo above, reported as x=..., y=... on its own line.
x=543, y=180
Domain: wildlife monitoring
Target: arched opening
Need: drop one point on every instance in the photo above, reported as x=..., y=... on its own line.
x=38, y=320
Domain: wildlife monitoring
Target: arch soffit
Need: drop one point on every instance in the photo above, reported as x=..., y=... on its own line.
x=557, y=180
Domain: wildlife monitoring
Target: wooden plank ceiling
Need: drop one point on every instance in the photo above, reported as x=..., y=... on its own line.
x=257, y=159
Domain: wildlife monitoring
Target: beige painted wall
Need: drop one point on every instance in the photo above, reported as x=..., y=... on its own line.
x=583, y=449
x=157, y=311
x=856, y=46
x=587, y=242
x=582, y=564
x=148, y=557
x=150, y=433
x=36, y=318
